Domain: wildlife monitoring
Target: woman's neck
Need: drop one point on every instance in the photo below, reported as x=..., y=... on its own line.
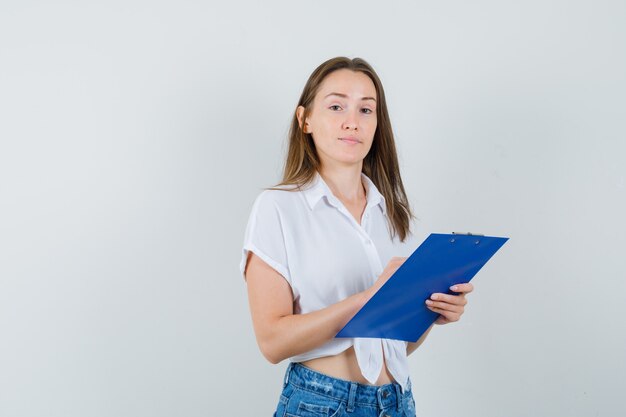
x=345, y=183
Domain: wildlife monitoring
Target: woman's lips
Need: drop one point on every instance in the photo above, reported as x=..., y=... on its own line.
x=351, y=141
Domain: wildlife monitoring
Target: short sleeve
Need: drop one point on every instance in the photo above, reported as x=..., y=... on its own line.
x=265, y=236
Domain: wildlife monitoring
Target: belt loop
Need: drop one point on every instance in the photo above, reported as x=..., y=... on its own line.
x=352, y=397
x=399, y=396
x=287, y=374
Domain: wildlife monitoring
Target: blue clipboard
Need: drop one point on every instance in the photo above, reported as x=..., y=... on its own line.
x=397, y=310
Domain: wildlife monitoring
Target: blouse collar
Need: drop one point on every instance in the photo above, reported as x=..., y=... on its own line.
x=318, y=189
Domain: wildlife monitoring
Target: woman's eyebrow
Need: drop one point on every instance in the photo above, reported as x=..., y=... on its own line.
x=346, y=96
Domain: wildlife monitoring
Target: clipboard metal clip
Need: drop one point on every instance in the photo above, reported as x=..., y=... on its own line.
x=467, y=234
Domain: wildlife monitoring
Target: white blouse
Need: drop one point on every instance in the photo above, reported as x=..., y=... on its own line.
x=313, y=241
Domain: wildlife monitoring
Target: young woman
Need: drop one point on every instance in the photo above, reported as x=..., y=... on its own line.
x=324, y=240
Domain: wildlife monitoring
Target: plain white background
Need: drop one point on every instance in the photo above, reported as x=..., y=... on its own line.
x=135, y=136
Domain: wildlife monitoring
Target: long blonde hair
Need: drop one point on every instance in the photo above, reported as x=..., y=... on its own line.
x=381, y=162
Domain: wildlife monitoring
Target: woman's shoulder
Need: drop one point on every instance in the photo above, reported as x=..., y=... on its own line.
x=279, y=196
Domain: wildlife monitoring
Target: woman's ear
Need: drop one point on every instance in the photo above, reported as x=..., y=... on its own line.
x=300, y=116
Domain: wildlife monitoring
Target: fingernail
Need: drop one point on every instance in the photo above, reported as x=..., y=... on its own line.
x=454, y=288
x=434, y=296
x=429, y=302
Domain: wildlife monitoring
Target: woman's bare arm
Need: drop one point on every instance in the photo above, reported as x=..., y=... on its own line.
x=280, y=333
x=412, y=346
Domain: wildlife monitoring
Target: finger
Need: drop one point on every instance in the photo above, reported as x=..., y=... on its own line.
x=451, y=299
x=446, y=315
x=466, y=287
x=449, y=316
x=445, y=306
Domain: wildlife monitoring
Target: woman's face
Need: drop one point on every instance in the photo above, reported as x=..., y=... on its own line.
x=343, y=118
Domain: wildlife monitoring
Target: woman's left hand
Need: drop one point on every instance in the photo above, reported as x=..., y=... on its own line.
x=450, y=307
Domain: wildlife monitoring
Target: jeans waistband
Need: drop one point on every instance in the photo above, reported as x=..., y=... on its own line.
x=351, y=392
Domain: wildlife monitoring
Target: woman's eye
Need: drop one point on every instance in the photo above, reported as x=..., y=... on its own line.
x=333, y=107
x=367, y=111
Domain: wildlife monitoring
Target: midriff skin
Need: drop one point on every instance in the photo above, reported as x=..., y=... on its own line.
x=345, y=366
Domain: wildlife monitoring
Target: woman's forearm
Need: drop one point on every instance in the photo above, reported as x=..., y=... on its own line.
x=295, y=334
x=412, y=346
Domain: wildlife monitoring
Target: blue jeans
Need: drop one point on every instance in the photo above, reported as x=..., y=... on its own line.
x=307, y=393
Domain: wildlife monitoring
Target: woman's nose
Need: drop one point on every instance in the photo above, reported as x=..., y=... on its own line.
x=351, y=121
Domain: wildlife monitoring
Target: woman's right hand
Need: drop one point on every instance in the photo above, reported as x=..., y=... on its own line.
x=389, y=270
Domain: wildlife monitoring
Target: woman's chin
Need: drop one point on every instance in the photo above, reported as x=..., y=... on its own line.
x=350, y=160
x=344, y=158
